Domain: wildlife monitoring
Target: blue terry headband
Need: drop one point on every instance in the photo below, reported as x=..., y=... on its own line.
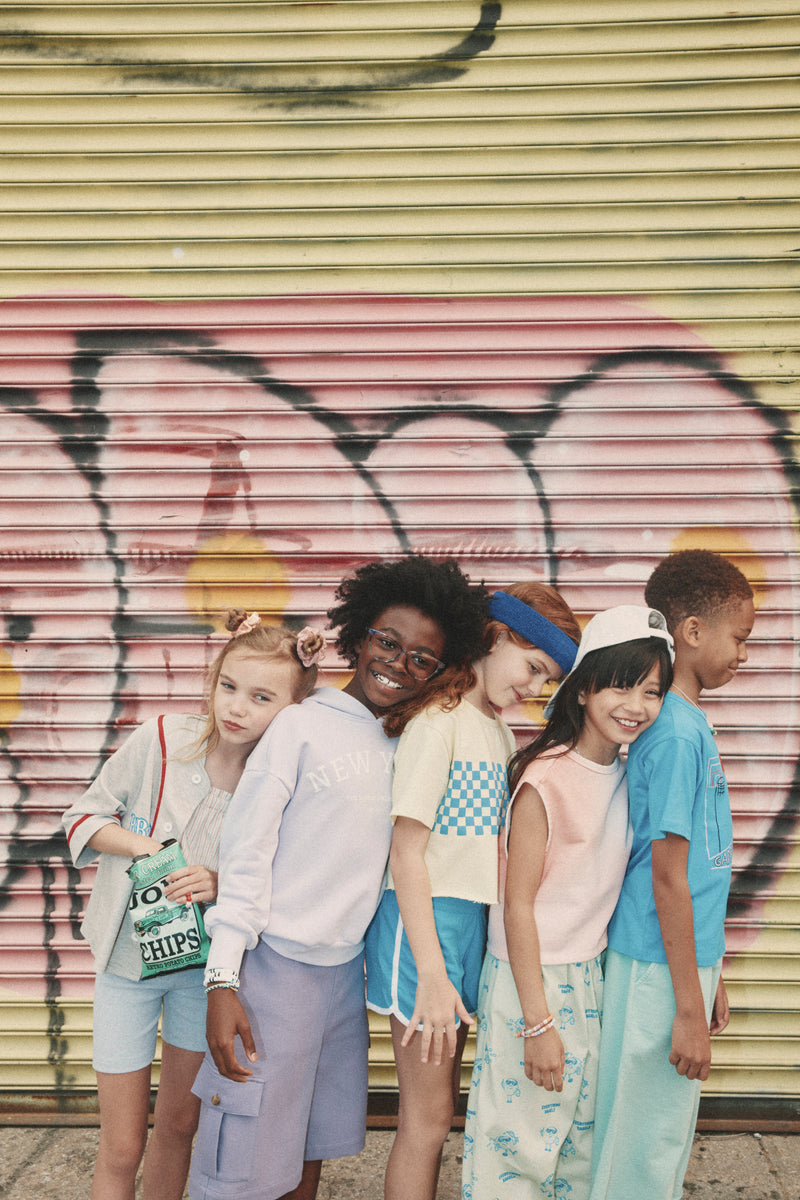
x=542, y=633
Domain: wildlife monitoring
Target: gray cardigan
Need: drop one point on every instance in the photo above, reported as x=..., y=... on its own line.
x=126, y=790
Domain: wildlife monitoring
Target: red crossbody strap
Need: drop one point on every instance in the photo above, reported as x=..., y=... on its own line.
x=163, y=743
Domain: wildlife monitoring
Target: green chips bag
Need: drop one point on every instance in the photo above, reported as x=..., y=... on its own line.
x=171, y=937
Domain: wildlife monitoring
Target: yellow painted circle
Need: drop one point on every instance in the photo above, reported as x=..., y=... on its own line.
x=236, y=570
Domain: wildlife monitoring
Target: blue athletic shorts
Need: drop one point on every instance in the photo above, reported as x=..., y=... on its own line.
x=391, y=973
x=127, y=1012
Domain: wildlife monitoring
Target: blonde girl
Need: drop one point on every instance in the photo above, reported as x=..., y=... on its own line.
x=425, y=947
x=172, y=778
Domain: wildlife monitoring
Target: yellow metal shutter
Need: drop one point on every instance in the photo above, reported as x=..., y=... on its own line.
x=287, y=285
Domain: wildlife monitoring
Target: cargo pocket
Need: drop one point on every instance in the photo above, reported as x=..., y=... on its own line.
x=226, y=1138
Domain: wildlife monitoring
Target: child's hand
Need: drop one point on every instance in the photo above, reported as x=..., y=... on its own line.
x=436, y=1005
x=691, y=1046
x=544, y=1060
x=190, y=884
x=225, y=1017
x=720, y=1013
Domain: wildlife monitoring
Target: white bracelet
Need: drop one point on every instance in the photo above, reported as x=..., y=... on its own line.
x=215, y=977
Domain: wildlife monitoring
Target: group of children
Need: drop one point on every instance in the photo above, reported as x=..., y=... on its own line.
x=596, y=985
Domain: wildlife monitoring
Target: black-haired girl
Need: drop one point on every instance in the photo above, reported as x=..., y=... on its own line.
x=531, y=1104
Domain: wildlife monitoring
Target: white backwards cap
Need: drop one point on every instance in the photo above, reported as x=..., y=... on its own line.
x=625, y=623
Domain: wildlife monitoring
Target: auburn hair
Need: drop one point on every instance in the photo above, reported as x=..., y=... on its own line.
x=447, y=689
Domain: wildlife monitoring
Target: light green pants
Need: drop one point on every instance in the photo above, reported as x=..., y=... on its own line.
x=646, y=1112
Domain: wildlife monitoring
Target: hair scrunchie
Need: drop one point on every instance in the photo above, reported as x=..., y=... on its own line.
x=309, y=659
x=248, y=624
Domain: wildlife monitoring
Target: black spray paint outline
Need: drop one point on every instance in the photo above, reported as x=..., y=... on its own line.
x=81, y=434
x=22, y=852
x=761, y=870
x=442, y=67
x=85, y=429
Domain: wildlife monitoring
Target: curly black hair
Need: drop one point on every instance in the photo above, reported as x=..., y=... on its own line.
x=695, y=583
x=437, y=587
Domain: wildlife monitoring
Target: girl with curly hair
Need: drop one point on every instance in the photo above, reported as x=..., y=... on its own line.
x=304, y=852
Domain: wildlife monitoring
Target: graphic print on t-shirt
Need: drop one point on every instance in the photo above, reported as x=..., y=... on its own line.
x=475, y=799
x=719, y=827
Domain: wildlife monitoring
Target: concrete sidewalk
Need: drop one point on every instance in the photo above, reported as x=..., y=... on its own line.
x=55, y=1162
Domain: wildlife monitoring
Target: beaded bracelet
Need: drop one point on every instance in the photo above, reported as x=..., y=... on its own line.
x=536, y=1030
x=215, y=977
x=539, y=1029
x=215, y=987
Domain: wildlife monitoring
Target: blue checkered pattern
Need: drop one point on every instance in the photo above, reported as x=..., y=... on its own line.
x=475, y=800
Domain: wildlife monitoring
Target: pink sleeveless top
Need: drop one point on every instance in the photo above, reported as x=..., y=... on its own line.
x=588, y=843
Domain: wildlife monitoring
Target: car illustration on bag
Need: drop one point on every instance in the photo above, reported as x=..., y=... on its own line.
x=153, y=921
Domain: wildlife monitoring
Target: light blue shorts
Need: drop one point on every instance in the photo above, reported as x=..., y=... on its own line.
x=391, y=972
x=126, y=1015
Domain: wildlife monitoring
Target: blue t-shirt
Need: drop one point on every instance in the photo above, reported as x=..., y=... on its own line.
x=676, y=785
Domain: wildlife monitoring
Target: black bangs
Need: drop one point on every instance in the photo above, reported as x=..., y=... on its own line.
x=611, y=668
x=614, y=666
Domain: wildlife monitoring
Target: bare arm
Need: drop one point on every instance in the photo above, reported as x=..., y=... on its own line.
x=437, y=1001
x=691, y=1043
x=544, y=1055
x=113, y=839
x=721, y=1013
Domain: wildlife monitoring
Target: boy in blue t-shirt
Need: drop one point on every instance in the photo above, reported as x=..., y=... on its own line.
x=664, y=995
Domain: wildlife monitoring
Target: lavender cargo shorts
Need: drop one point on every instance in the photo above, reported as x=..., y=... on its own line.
x=307, y=1098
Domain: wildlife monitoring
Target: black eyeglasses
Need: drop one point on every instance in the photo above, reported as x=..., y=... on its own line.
x=387, y=649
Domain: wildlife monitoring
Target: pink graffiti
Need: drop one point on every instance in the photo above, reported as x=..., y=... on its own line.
x=278, y=442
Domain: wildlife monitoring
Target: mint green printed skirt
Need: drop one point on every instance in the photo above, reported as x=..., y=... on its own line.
x=520, y=1140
